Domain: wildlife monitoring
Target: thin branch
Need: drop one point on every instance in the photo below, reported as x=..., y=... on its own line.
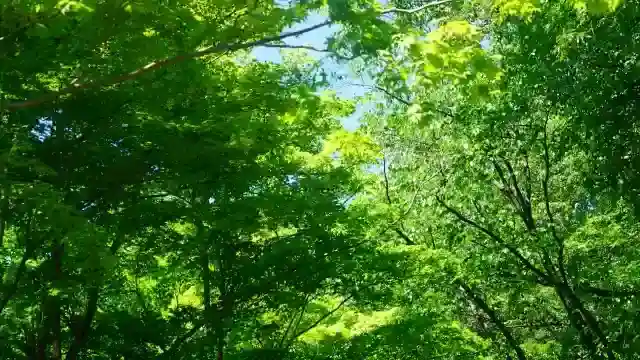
x=22, y=267
x=385, y=91
x=527, y=173
x=495, y=318
x=307, y=47
x=177, y=343
x=386, y=178
x=10, y=292
x=321, y=319
x=400, y=99
x=404, y=236
x=414, y=10
x=295, y=319
x=82, y=334
x=525, y=204
x=545, y=189
x=352, y=196
x=611, y=293
x=505, y=183
x=495, y=238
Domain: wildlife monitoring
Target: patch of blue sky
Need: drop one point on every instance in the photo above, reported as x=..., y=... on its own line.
x=347, y=87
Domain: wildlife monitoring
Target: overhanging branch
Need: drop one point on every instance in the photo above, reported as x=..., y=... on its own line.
x=214, y=49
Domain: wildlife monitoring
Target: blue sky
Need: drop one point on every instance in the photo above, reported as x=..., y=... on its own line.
x=317, y=39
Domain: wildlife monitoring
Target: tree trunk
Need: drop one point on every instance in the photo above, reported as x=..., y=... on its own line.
x=82, y=333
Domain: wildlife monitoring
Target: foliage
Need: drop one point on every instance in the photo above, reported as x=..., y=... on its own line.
x=164, y=195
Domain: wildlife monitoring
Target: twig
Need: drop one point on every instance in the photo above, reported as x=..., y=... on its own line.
x=307, y=47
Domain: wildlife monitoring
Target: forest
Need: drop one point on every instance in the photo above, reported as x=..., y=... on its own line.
x=166, y=194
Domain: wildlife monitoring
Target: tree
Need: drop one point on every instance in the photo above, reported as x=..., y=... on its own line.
x=163, y=195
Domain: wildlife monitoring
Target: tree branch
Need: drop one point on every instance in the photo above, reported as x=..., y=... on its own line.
x=11, y=291
x=525, y=204
x=480, y=302
x=295, y=319
x=307, y=47
x=415, y=10
x=154, y=65
x=177, y=343
x=28, y=250
x=404, y=236
x=612, y=293
x=495, y=238
x=386, y=178
x=545, y=189
x=321, y=319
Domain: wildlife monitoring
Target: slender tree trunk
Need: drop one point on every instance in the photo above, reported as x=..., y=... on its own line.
x=4, y=209
x=81, y=335
x=513, y=343
x=10, y=292
x=41, y=336
x=220, y=347
x=57, y=254
x=206, y=281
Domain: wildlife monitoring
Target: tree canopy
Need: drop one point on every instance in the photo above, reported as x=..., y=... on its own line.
x=164, y=194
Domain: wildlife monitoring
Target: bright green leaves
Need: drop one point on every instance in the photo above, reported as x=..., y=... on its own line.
x=351, y=148
x=597, y=7
x=451, y=55
x=527, y=9
x=75, y=5
x=524, y=9
x=454, y=33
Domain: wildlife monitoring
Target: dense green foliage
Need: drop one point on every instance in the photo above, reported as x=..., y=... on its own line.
x=164, y=195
